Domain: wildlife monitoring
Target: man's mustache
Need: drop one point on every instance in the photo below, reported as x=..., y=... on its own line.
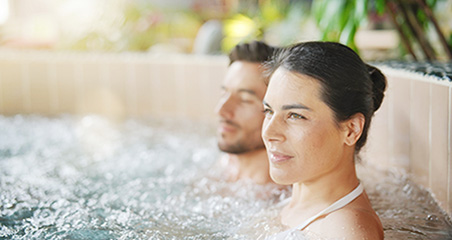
x=229, y=122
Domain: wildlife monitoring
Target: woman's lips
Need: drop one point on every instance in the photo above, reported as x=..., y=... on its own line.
x=277, y=157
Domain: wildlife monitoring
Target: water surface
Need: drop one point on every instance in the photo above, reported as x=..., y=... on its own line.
x=88, y=178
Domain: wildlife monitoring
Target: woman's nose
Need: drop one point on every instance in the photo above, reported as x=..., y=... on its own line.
x=272, y=130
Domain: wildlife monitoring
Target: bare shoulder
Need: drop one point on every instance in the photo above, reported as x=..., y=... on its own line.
x=351, y=222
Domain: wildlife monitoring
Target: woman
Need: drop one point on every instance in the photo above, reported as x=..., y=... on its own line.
x=318, y=107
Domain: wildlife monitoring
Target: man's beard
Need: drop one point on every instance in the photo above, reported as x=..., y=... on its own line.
x=239, y=147
x=243, y=145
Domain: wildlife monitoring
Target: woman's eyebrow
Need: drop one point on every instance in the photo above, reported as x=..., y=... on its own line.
x=289, y=106
x=295, y=106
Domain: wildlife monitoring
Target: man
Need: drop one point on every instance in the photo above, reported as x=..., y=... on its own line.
x=241, y=114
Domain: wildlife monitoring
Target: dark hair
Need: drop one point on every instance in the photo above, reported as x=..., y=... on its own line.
x=255, y=51
x=349, y=86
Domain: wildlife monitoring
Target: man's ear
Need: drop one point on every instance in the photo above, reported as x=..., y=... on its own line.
x=353, y=128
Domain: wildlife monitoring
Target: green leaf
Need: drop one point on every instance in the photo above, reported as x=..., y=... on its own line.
x=345, y=14
x=318, y=10
x=431, y=3
x=347, y=33
x=361, y=9
x=380, y=5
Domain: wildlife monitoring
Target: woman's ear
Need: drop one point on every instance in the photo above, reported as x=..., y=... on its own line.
x=354, y=128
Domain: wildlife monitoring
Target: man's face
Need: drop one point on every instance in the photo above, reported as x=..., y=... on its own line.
x=240, y=108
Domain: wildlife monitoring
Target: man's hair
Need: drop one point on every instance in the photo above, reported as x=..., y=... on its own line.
x=255, y=51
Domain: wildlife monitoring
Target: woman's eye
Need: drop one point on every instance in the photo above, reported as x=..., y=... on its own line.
x=268, y=112
x=296, y=116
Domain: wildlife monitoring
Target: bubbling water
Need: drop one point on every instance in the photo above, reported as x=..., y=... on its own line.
x=91, y=179
x=88, y=178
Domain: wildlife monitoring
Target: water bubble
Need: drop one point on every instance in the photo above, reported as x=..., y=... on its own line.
x=150, y=183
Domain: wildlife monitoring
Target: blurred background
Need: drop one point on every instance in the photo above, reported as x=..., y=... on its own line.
x=378, y=29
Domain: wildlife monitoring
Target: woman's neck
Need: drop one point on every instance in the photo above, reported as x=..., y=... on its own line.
x=326, y=189
x=312, y=196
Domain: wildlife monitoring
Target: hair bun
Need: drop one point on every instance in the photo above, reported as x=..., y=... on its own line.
x=378, y=87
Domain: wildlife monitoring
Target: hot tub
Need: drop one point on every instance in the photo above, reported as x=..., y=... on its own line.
x=122, y=147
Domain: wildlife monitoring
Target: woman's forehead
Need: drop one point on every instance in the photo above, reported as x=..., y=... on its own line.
x=283, y=79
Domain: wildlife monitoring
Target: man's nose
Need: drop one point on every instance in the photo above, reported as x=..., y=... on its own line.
x=225, y=107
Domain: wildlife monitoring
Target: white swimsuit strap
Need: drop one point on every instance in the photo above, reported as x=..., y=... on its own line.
x=335, y=206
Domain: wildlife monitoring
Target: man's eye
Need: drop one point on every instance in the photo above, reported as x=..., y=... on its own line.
x=244, y=100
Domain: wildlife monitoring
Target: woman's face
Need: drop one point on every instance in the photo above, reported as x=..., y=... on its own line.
x=303, y=140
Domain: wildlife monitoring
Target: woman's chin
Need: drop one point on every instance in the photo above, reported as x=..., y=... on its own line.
x=281, y=178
